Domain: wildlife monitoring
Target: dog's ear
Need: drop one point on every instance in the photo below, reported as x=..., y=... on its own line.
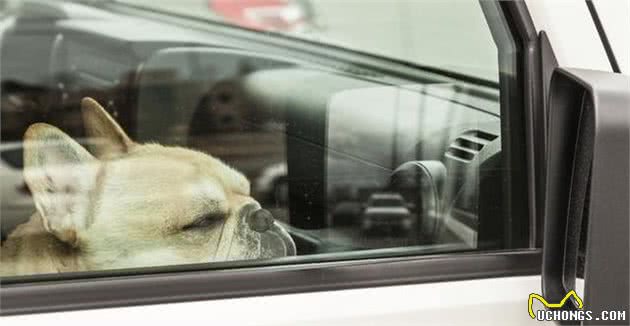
x=108, y=137
x=61, y=174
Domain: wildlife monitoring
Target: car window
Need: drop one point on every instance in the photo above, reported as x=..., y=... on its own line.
x=409, y=30
x=130, y=142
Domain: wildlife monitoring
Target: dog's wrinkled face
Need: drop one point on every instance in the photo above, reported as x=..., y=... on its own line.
x=123, y=204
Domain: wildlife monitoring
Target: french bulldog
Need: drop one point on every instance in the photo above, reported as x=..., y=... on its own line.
x=120, y=204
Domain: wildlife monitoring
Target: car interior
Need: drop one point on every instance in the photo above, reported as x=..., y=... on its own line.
x=317, y=136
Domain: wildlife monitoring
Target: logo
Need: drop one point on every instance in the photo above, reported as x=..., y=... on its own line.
x=560, y=304
x=552, y=313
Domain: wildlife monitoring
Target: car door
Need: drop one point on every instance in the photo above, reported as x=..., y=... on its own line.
x=440, y=104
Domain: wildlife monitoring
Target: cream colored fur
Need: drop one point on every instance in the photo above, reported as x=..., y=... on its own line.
x=123, y=204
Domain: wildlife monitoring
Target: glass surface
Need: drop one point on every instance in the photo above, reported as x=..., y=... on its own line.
x=166, y=145
x=448, y=34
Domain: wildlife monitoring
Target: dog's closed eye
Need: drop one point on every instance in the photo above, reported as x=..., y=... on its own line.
x=205, y=221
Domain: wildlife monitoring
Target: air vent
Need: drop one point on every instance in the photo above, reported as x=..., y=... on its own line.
x=468, y=145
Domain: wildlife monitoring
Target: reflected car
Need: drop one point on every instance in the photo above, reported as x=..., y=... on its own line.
x=386, y=210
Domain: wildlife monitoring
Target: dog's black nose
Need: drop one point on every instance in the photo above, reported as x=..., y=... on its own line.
x=260, y=220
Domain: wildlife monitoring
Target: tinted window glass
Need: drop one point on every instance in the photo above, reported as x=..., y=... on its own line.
x=131, y=142
x=408, y=30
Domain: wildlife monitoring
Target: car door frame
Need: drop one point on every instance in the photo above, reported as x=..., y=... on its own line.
x=525, y=99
